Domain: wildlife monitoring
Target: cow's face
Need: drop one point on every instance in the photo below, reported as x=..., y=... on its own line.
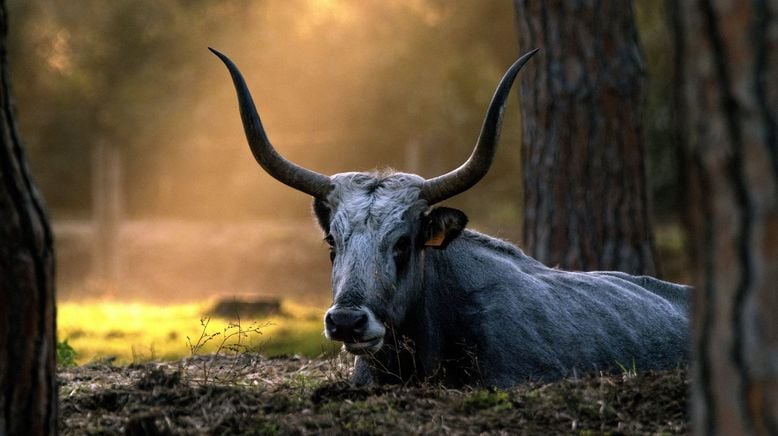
x=377, y=229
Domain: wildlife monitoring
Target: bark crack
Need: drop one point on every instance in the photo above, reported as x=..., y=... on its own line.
x=37, y=239
x=738, y=176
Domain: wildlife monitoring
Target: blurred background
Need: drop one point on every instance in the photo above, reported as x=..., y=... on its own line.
x=134, y=137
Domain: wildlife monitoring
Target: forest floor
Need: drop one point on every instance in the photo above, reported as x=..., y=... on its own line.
x=250, y=394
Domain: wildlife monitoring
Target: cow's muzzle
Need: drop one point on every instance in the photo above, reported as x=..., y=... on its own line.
x=356, y=327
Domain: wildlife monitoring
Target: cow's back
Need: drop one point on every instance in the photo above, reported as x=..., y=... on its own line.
x=534, y=322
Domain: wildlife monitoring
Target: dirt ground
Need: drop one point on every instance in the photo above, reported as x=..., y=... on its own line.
x=250, y=394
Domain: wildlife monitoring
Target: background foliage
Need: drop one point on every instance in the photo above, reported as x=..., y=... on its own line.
x=341, y=85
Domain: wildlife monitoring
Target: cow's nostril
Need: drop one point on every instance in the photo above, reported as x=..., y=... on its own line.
x=360, y=323
x=346, y=324
x=347, y=318
x=330, y=324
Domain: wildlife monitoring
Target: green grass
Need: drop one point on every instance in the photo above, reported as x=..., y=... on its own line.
x=628, y=372
x=486, y=399
x=66, y=355
x=136, y=332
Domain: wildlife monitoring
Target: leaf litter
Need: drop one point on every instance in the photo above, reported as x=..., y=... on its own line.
x=251, y=394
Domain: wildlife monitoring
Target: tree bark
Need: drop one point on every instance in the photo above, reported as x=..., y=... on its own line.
x=28, y=394
x=730, y=64
x=585, y=195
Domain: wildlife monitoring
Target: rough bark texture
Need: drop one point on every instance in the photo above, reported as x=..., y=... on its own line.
x=585, y=195
x=28, y=394
x=729, y=64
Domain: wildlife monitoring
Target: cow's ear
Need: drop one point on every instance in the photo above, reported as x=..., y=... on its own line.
x=322, y=212
x=442, y=225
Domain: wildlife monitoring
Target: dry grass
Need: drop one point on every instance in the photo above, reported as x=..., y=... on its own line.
x=300, y=396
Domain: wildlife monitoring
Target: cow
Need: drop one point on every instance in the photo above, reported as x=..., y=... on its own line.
x=417, y=296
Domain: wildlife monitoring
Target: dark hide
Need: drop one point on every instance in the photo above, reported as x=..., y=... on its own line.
x=478, y=311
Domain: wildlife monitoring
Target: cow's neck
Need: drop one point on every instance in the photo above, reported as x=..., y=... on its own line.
x=434, y=342
x=440, y=336
x=451, y=287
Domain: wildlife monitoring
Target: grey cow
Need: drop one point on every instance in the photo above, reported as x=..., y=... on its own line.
x=418, y=296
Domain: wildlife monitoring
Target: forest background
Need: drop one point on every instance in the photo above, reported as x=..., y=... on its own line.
x=341, y=86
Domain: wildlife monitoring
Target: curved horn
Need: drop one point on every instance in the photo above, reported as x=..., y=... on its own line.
x=310, y=182
x=475, y=168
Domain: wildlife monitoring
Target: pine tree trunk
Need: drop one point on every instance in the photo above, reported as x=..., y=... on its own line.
x=107, y=212
x=28, y=394
x=585, y=194
x=730, y=66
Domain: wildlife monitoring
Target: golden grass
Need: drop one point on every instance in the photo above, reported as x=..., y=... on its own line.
x=135, y=332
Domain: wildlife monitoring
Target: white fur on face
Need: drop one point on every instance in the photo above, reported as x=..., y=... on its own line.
x=372, y=201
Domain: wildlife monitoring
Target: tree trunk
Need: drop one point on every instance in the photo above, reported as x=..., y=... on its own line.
x=730, y=65
x=28, y=394
x=106, y=209
x=585, y=194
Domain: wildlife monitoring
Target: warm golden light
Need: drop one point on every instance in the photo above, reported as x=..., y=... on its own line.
x=341, y=85
x=59, y=56
x=137, y=332
x=325, y=16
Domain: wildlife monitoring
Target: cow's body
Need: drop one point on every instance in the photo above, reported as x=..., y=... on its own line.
x=486, y=313
x=491, y=314
x=417, y=296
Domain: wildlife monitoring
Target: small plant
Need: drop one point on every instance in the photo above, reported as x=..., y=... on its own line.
x=139, y=358
x=304, y=383
x=66, y=355
x=341, y=366
x=268, y=428
x=231, y=343
x=486, y=399
x=628, y=372
x=404, y=350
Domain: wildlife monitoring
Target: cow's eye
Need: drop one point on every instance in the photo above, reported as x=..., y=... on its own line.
x=331, y=243
x=402, y=249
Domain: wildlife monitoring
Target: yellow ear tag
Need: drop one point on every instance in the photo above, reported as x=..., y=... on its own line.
x=436, y=240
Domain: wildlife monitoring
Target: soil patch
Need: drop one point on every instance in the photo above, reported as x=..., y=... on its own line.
x=254, y=395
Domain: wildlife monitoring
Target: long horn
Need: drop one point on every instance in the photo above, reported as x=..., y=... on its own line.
x=475, y=168
x=310, y=182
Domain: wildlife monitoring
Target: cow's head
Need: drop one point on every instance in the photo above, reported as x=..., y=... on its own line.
x=378, y=226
